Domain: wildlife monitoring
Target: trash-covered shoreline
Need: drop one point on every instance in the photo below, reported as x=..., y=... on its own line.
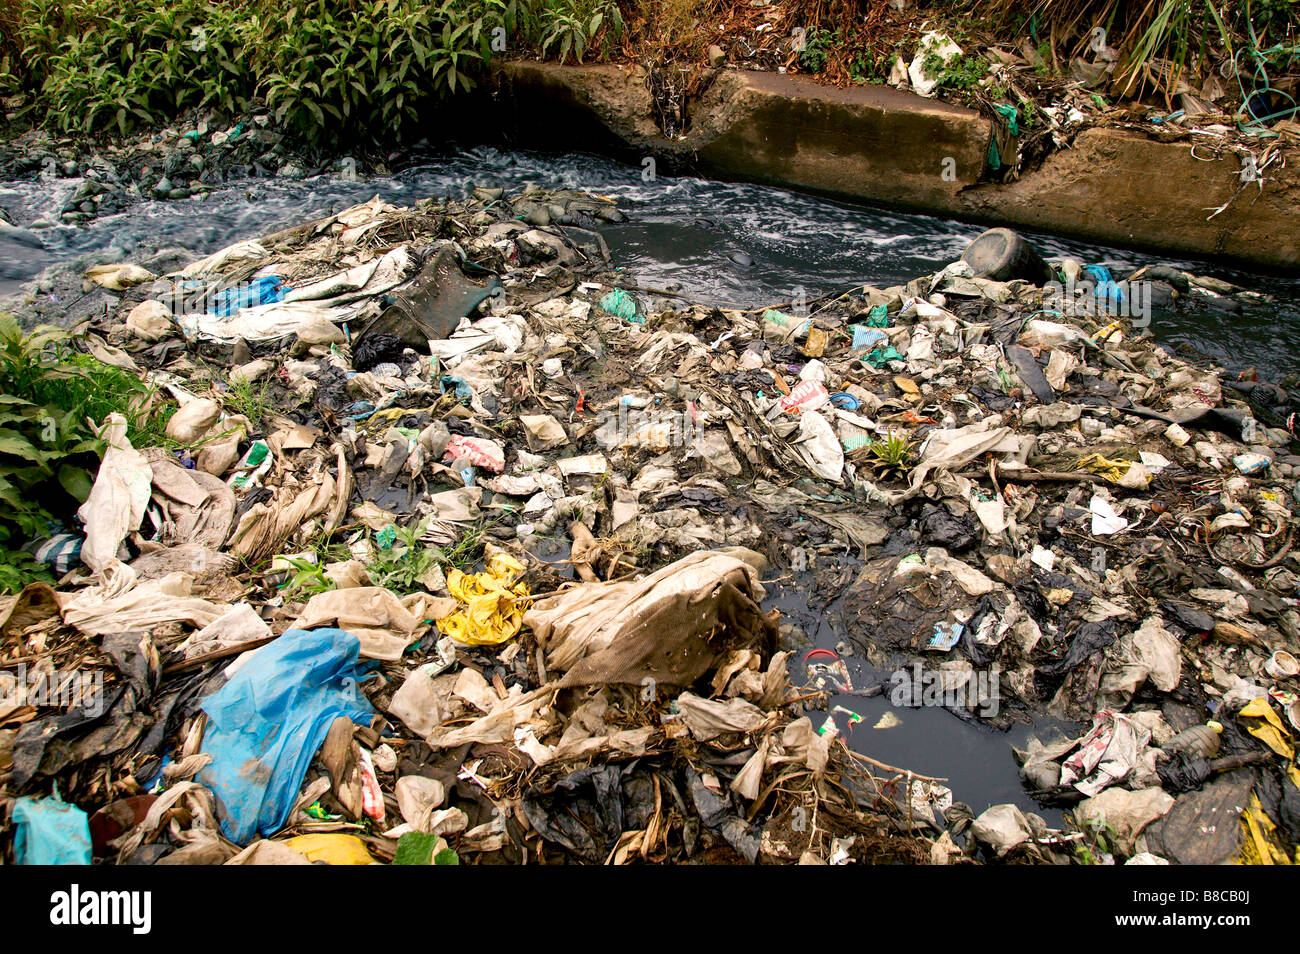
x=315, y=623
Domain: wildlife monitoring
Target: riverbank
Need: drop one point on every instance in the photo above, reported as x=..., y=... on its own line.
x=1166, y=188
x=999, y=116
x=1127, y=187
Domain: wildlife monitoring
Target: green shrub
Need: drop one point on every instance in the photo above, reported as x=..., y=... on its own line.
x=347, y=67
x=48, y=453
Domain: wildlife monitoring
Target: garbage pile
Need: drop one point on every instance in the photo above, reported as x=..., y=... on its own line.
x=459, y=545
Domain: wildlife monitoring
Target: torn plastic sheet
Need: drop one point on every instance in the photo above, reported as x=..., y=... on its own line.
x=337, y=298
x=665, y=627
x=1107, y=754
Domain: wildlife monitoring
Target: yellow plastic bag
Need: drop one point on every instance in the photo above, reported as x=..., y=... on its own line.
x=1262, y=722
x=333, y=848
x=1260, y=844
x=494, y=603
x=1112, y=470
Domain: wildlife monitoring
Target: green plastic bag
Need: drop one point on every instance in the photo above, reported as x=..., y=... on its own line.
x=622, y=305
x=879, y=356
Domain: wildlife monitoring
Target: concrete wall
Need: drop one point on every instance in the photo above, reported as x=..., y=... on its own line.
x=892, y=148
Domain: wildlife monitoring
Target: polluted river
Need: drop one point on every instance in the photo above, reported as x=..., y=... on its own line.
x=728, y=245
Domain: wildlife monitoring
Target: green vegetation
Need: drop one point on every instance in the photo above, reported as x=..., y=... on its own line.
x=571, y=27
x=49, y=395
x=890, y=457
x=325, y=69
x=306, y=579
x=18, y=568
x=253, y=400
x=419, y=848
x=401, y=561
x=816, y=52
x=1157, y=44
x=958, y=72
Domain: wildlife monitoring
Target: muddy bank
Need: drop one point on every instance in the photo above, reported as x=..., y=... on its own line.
x=884, y=146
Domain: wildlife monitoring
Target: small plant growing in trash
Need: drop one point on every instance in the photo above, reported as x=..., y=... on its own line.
x=306, y=578
x=957, y=72
x=401, y=561
x=890, y=457
x=251, y=400
x=1098, y=845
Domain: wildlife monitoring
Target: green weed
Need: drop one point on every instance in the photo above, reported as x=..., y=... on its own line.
x=249, y=398
x=890, y=457
x=49, y=395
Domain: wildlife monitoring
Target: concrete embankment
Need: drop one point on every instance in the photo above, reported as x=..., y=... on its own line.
x=884, y=146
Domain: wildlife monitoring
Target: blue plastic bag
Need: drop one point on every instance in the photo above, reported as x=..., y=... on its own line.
x=260, y=291
x=865, y=339
x=50, y=832
x=266, y=724
x=448, y=382
x=1109, y=291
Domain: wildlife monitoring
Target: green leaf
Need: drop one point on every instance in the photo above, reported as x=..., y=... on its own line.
x=76, y=481
x=416, y=848
x=11, y=442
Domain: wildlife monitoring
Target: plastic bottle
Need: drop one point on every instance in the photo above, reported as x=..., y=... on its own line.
x=1200, y=741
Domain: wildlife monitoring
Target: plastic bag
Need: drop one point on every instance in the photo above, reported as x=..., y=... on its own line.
x=267, y=723
x=621, y=304
x=50, y=832
x=494, y=607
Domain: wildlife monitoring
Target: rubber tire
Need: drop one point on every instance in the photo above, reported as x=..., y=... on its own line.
x=1002, y=255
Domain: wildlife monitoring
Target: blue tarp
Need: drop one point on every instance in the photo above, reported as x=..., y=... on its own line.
x=266, y=724
x=50, y=832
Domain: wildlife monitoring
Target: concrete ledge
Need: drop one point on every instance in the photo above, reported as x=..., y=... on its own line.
x=883, y=146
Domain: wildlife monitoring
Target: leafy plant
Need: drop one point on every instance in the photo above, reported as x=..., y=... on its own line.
x=957, y=72
x=421, y=848
x=1098, y=844
x=365, y=67
x=401, y=561
x=403, y=565
x=307, y=578
x=574, y=26
x=49, y=455
x=890, y=457
x=816, y=51
x=18, y=568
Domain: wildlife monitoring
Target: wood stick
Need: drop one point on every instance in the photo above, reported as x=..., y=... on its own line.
x=217, y=654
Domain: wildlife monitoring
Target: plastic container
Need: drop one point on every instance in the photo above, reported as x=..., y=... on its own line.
x=1200, y=741
x=1001, y=255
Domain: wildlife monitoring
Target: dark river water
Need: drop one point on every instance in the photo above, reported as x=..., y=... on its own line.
x=681, y=236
